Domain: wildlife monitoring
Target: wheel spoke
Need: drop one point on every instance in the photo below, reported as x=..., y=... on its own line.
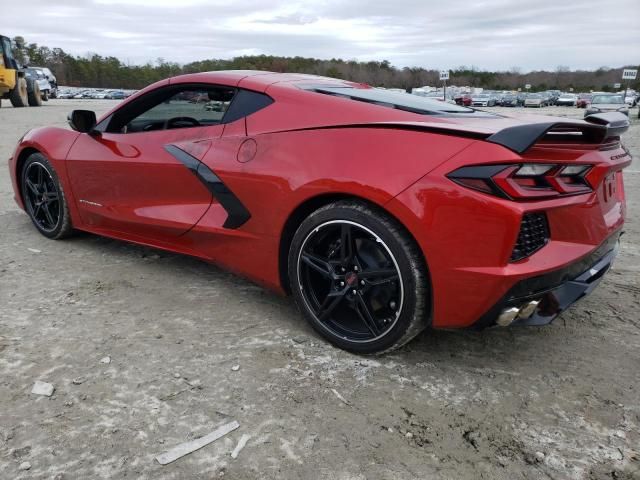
x=40, y=177
x=51, y=196
x=319, y=265
x=382, y=272
x=36, y=210
x=347, y=250
x=380, y=276
x=330, y=303
x=47, y=214
x=365, y=315
x=32, y=187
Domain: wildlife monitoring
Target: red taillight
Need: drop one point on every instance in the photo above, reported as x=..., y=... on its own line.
x=528, y=181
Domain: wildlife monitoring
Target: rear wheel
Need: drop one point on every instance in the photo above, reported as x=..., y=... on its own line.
x=44, y=198
x=45, y=96
x=19, y=96
x=35, y=96
x=358, y=278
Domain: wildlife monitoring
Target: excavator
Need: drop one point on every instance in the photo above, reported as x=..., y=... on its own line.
x=15, y=84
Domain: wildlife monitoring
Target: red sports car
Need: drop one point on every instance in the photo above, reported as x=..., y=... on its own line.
x=382, y=213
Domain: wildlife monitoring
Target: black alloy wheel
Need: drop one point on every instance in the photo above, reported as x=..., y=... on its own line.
x=350, y=280
x=358, y=279
x=44, y=198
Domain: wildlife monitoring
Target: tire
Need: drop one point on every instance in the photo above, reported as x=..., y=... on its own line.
x=373, y=301
x=34, y=194
x=35, y=96
x=45, y=96
x=19, y=96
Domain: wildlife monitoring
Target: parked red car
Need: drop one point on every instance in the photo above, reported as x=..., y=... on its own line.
x=382, y=213
x=464, y=100
x=583, y=100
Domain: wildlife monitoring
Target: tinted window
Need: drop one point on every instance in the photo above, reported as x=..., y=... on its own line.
x=386, y=98
x=189, y=107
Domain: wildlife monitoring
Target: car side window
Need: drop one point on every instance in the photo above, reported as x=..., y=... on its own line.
x=185, y=108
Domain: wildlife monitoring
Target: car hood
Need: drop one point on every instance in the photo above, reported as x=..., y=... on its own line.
x=608, y=106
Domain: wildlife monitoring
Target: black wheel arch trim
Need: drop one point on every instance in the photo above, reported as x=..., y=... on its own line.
x=237, y=213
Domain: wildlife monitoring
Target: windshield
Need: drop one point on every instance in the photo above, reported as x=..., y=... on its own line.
x=399, y=101
x=607, y=99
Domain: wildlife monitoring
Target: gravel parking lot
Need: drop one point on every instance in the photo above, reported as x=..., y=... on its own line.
x=559, y=402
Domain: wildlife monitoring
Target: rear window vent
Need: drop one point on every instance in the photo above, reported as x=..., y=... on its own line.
x=533, y=235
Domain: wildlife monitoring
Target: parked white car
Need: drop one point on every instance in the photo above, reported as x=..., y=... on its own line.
x=53, y=82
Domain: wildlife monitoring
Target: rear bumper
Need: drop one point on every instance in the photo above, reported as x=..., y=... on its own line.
x=553, y=292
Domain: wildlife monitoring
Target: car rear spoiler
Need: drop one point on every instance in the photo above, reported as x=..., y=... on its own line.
x=594, y=129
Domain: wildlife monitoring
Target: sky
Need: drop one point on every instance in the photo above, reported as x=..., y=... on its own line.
x=487, y=34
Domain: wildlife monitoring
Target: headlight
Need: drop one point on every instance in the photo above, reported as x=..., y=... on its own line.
x=594, y=109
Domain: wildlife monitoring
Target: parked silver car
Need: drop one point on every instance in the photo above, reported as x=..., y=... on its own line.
x=535, y=100
x=483, y=100
x=607, y=103
x=567, y=99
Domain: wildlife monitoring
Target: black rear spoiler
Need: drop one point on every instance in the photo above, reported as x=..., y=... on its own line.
x=595, y=128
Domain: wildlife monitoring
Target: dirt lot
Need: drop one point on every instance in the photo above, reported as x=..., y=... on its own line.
x=559, y=402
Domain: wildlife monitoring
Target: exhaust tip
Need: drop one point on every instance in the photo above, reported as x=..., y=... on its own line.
x=507, y=316
x=528, y=309
x=511, y=314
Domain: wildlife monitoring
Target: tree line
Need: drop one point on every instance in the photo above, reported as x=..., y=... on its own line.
x=98, y=71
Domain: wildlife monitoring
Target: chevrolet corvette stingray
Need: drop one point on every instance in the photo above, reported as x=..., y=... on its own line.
x=381, y=213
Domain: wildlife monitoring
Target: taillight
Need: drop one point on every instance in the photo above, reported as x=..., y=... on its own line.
x=527, y=181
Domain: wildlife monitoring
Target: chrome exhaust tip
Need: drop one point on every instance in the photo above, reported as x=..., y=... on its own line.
x=511, y=314
x=507, y=316
x=528, y=309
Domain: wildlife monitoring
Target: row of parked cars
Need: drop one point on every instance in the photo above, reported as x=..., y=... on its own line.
x=541, y=99
x=95, y=93
x=594, y=102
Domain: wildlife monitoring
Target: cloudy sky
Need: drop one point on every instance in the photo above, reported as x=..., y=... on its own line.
x=489, y=34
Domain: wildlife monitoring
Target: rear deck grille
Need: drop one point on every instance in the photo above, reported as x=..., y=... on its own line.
x=533, y=235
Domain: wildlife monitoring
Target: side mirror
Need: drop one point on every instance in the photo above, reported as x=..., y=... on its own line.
x=83, y=121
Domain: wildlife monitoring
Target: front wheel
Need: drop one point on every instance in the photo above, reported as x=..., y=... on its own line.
x=359, y=278
x=19, y=96
x=44, y=198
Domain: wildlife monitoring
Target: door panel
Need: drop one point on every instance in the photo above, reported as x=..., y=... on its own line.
x=130, y=183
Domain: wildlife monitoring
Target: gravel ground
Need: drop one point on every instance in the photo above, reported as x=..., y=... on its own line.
x=558, y=402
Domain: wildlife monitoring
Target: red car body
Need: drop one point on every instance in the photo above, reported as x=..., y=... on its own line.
x=305, y=149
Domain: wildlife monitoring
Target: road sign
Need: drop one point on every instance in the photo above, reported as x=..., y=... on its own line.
x=628, y=74
x=616, y=85
x=527, y=86
x=444, y=75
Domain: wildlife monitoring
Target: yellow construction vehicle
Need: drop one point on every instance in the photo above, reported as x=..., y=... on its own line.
x=15, y=85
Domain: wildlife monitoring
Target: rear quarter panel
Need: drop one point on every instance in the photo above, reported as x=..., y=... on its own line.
x=290, y=168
